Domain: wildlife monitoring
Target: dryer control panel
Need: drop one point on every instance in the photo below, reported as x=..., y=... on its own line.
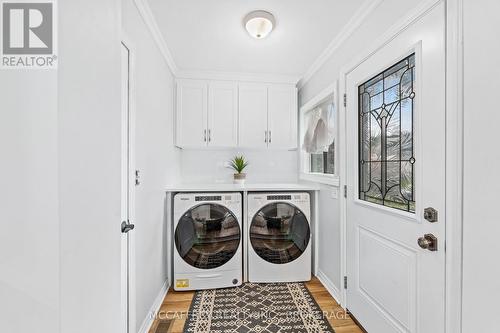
x=297, y=197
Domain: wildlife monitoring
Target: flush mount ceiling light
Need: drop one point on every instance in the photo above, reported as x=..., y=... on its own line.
x=259, y=23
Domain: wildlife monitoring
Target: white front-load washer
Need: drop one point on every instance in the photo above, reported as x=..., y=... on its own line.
x=279, y=237
x=207, y=240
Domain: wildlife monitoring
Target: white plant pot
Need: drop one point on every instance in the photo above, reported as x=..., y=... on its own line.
x=239, y=178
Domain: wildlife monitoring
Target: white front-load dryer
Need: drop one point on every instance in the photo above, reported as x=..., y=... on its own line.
x=207, y=240
x=279, y=237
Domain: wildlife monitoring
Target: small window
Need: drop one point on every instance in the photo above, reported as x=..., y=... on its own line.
x=324, y=161
x=318, y=133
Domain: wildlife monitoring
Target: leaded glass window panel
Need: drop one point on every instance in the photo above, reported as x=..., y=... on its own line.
x=386, y=145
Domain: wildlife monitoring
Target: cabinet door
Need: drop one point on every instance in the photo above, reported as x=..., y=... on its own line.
x=191, y=113
x=282, y=116
x=253, y=115
x=222, y=114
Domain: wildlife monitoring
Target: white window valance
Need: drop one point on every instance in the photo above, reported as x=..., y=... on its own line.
x=320, y=128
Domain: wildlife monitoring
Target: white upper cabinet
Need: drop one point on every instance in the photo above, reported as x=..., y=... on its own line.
x=207, y=114
x=222, y=114
x=228, y=114
x=268, y=116
x=253, y=115
x=282, y=116
x=191, y=116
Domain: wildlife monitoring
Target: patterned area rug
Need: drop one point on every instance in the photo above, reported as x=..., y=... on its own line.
x=262, y=308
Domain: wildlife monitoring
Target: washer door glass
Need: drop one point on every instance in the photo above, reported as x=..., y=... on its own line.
x=207, y=236
x=279, y=233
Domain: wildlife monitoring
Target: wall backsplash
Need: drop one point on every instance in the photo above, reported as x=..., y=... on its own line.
x=209, y=166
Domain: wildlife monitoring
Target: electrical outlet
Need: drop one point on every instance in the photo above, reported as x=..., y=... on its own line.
x=226, y=164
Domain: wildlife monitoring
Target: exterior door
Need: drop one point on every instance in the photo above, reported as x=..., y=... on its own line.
x=127, y=194
x=191, y=113
x=223, y=114
x=395, y=119
x=253, y=115
x=282, y=116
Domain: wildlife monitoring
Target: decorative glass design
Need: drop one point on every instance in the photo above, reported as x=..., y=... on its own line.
x=207, y=236
x=279, y=233
x=386, y=147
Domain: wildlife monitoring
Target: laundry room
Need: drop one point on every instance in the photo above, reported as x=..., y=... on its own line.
x=264, y=166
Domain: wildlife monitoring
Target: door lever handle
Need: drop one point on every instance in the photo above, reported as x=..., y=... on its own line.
x=126, y=227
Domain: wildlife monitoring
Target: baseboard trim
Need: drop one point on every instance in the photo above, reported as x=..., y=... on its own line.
x=329, y=285
x=148, y=321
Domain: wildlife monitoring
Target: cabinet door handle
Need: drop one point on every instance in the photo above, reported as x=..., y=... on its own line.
x=209, y=135
x=270, y=139
x=204, y=135
x=265, y=136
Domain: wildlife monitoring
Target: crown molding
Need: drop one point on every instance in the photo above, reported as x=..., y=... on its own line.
x=356, y=20
x=150, y=21
x=237, y=76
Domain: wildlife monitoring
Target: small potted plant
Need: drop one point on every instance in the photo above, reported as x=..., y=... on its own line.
x=238, y=164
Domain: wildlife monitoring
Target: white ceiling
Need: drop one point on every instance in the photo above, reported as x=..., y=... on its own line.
x=208, y=35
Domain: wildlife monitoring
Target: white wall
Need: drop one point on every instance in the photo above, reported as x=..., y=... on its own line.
x=156, y=158
x=29, y=222
x=60, y=197
x=481, y=225
x=89, y=122
x=208, y=166
x=379, y=21
x=328, y=234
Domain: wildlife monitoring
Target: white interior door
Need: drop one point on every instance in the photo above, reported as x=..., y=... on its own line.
x=395, y=120
x=127, y=193
x=282, y=116
x=253, y=115
x=191, y=113
x=222, y=114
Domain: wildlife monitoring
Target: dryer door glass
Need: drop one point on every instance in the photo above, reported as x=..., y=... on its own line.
x=279, y=233
x=207, y=236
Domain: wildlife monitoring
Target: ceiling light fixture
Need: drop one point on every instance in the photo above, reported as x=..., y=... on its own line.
x=259, y=23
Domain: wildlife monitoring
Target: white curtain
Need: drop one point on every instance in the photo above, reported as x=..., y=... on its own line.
x=320, y=130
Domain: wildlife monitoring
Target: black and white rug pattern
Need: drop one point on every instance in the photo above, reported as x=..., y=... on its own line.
x=261, y=308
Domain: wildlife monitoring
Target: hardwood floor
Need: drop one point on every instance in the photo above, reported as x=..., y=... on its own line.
x=176, y=305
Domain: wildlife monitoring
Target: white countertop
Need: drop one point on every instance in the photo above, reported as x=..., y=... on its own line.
x=227, y=187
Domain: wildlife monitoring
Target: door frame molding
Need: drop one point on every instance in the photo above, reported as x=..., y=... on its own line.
x=454, y=150
x=132, y=320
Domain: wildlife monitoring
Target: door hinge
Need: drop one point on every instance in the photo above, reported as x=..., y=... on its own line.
x=137, y=178
x=345, y=282
x=345, y=100
x=345, y=191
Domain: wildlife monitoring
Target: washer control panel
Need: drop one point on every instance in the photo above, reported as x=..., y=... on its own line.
x=209, y=198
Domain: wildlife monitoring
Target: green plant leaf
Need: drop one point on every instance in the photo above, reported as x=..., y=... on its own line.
x=238, y=163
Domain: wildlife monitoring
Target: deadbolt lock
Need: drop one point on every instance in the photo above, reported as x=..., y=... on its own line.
x=428, y=242
x=430, y=214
